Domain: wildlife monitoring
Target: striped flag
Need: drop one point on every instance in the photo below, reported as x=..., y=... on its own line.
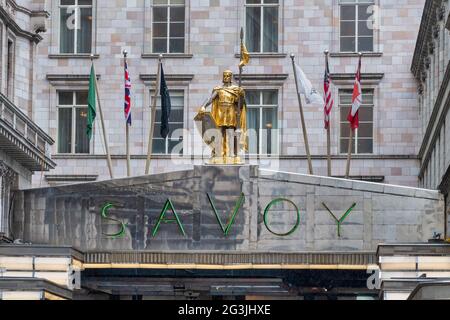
x=329, y=102
x=127, y=95
x=353, y=116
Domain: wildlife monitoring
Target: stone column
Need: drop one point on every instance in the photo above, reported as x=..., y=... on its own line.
x=6, y=179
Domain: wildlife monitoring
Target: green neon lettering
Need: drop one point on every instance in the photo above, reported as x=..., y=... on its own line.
x=342, y=219
x=162, y=218
x=226, y=229
x=119, y=234
x=266, y=211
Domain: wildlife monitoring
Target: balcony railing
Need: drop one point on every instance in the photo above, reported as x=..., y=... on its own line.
x=20, y=136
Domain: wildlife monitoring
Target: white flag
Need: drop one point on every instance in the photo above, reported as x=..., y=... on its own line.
x=305, y=87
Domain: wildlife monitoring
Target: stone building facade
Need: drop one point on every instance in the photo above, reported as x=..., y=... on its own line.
x=432, y=70
x=200, y=39
x=24, y=147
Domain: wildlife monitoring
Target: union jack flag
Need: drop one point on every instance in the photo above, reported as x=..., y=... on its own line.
x=127, y=95
x=329, y=102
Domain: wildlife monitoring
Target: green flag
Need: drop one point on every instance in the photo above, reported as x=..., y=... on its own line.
x=92, y=111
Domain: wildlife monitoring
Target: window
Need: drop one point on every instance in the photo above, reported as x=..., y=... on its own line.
x=176, y=121
x=262, y=119
x=356, y=25
x=168, y=26
x=261, y=25
x=10, y=70
x=363, y=137
x=75, y=26
x=72, y=122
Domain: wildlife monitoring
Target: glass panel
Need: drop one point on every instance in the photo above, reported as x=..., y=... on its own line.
x=365, y=130
x=270, y=122
x=252, y=97
x=363, y=29
x=85, y=2
x=348, y=13
x=176, y=45
x=159, y=146
x=348, y=29
x=84, y=35
x=177, y=30
x=82, y=98
x=177, y=14
x=160, y=45
x=160, y=14
x=365, y=146
x=253, y=29
x=65, y=98
x=67, y=2
x=365, y=44
x=81, y=138
x=160, y=30
x=253, y=124
x=67, y=32
x=270, y=97
x=270, y=41
x=344, y=146
x=176, y=143
x=64, y=130
x=348, y=44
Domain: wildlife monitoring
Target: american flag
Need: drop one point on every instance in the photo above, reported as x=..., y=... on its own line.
x=353, y=116
x=127, y=95
x=328, y=96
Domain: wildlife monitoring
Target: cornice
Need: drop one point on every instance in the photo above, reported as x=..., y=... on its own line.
x=16, y=29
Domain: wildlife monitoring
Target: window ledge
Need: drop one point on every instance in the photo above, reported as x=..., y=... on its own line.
x=167, y=55
x=355, y=54
x=73, y=56
x=264, y=55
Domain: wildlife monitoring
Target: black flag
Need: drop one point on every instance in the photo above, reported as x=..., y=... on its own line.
x=165, y=106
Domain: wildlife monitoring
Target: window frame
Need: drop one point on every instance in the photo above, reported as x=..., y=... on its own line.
x=262, y=5
x=356, y=4
x=261, y=106
x=78, y=7
x=169, y=5
x=73, y=128
x=345, y=121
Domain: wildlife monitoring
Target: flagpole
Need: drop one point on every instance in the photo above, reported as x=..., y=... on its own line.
x=328, y=128
x=152, y=121
x=108, y=155
x=305, y=134
x=127, y=126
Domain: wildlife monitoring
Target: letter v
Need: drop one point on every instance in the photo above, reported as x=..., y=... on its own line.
x=226, y=229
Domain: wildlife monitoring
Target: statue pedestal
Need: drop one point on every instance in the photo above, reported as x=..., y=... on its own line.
x=226, y=161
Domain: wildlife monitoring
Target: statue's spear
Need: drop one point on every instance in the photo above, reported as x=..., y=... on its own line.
x=244, y=60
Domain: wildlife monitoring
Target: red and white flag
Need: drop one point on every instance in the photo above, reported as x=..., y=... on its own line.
x=329, y=102
x=353, y=116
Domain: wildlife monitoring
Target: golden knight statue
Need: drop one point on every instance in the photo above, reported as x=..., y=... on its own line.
x=228, y=115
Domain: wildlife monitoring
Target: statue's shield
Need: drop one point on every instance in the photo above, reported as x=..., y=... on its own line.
x=206, y=126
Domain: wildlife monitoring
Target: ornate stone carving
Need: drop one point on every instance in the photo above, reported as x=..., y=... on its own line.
x=6, y=172
x=436, y=31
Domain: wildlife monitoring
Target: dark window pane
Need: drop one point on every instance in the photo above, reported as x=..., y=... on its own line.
x=345, y=130
x=270, y=97
x=365, y=12
x=159, y=146
x=65, y=98
x=160, y=14
x=84, y=34
x=270, y=41
x=177, y=30
x=366, y=114
x=253, y=29
x=348, y=12
x=177, y=45
x=81, y=138
x=365, y=130
x=67, y=2
x=364, y=30
x=365, y=44
x=365, y=146
x=160, y=30
x=82, y=98
x=85, y=2
x=177, y=14
x=252, y=97
x=67, y=31
x=348, y=29
x=64, y=130
x=178, y=144
x=160, y=45
x=348, y=44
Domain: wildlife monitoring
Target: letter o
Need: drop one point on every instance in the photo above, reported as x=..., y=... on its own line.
x=266, y=211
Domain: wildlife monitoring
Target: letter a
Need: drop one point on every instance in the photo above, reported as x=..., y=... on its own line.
x=162, y=218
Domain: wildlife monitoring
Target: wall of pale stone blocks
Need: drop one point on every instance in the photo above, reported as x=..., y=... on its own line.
x=306, y=30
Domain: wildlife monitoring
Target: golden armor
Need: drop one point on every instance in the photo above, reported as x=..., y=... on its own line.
x=229, y=115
